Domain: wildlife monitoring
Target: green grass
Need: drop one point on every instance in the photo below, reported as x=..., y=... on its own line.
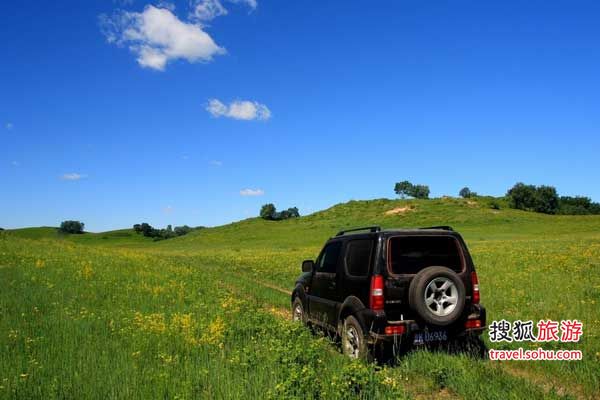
x=117, y=315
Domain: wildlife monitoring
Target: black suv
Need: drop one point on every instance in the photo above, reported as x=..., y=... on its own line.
x=383, y=289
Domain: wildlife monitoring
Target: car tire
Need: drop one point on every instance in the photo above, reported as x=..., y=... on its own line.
x=298, y=314
x=437, y=295
x=354, y=342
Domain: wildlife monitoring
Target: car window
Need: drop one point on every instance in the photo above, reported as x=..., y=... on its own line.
x=411, y=254
x=358, y=257
x=329, y=257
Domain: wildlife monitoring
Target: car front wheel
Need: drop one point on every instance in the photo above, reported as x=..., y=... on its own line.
x=298, y=314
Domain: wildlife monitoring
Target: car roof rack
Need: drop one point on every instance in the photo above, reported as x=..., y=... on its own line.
x=442, y=227
x=374, y=228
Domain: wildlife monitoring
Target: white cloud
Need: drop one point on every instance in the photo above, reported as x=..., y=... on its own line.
x=216, y=163
x=9, y=125
x=252, y=192
x=239, y=109
x=156, y=36
x=251, y=3
x=165, y=4
x=73, y=176
x=207, y=10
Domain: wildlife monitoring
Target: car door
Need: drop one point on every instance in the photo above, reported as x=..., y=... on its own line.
x=323, y=297
x=357, y=261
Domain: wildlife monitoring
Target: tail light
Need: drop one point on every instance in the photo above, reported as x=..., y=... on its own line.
x=395, y=329
x=473, y=323
x=475, y=283
x=376, y=299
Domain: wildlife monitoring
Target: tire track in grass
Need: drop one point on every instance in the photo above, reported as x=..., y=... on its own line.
x=416, y=387
x=539, y=381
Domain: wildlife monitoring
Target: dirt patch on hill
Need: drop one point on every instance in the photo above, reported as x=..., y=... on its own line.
x=400, y=210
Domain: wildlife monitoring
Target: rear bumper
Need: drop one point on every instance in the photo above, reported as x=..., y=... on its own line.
x=411, y=327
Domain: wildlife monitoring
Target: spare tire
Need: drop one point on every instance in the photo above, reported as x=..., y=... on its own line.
x=437, y=295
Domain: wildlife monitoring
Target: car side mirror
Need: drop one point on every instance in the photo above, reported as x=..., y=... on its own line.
x=308, y=266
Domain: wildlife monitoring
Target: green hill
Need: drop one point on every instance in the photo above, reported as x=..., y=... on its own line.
x=43, y=232
x=121, y=237
x=475, y=219
x=200, y=316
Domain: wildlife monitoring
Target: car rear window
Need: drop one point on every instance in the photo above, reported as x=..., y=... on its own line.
x=410, y=254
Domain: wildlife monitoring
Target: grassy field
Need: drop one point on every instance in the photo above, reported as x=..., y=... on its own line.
x=115, y=315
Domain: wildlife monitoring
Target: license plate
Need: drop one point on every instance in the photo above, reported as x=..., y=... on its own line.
x=427, y=337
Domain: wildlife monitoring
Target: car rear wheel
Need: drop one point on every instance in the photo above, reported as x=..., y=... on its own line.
x=354, y=343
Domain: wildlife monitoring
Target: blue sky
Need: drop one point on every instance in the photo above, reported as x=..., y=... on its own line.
x=198, y=112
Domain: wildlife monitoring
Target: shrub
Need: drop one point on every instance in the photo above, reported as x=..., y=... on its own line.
x=182, y=230
x=75, y=227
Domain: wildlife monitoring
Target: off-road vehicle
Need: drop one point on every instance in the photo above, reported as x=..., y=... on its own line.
x=392, y=289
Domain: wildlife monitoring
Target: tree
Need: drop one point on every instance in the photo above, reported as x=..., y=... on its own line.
x=521, y=196
x=578, y=205
x=543, y=199
x=403, y=188
x=159, y=234
x=293, y=212
x=71, y=227
x=465, y=193
x=420, y=192
x=268, y=211
x=147, y=230
x=546, y=200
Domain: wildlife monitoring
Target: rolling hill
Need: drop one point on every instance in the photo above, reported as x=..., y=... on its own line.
x=203, y=314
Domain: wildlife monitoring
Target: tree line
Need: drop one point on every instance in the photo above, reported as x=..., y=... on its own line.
x=148, y=230
x=545, y=199
x=270, y=213
x=542, y=199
